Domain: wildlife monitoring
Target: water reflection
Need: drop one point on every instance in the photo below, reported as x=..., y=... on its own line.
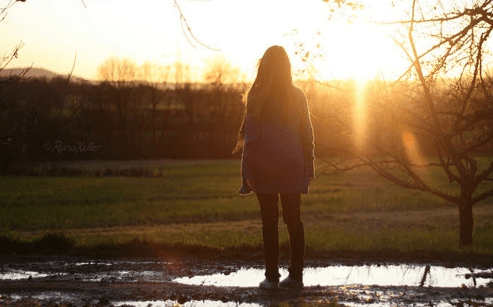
x=60, y=298
x=18, y=275
x=170, y=303
x=378, y=275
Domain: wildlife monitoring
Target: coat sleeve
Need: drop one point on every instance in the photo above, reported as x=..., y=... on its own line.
x=306, y=135
x=252, y=135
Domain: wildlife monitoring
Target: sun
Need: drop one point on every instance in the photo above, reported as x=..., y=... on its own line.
x=358, y=51
x=359, y=48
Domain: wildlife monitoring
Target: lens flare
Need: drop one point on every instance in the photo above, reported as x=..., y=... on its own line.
x=414, y=154
x=408, y=139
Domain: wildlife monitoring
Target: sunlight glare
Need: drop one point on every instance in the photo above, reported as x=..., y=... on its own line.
x=339, y=275
x=359, y=52
x=414, y=154
x=360, y=48
x=359, y=120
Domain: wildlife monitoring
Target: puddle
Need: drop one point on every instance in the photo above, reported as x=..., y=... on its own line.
x=390, y=275
x=153, y=282
x=170, y=303
x=100, y=276
x=91, y=271
x=19, y=275
x=90, y=263
x=376, y=275
x=52, y=296
x=59, y=297
x=121, y=276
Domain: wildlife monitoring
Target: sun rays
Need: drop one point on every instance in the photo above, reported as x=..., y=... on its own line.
x=360, y=115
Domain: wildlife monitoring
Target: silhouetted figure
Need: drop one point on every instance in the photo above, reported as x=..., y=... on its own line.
x=277, y=140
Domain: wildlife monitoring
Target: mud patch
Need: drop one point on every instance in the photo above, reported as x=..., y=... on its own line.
x=170, y=303
x=51, y=281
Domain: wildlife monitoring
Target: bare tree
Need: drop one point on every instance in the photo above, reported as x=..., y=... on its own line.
x=219, y=70
x=20, y=116
x=7, y=58
x=119, y=75
x=156, y=90
x=120, y=72
x=437, y=116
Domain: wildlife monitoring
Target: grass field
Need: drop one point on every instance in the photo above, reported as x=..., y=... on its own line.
x=195, y=203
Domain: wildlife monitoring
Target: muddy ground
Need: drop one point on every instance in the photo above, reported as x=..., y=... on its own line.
x=65, y=281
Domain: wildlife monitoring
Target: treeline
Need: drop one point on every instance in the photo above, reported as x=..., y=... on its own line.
x=55, y=120
x=59, y=119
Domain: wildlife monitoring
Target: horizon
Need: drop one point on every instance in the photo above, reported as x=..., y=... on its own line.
x=72, y=76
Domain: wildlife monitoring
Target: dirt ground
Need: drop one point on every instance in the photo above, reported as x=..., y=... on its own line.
x=63, y=281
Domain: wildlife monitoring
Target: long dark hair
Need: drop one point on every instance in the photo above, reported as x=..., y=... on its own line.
x=271, y=92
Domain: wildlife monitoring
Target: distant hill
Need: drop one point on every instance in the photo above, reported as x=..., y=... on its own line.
x=35, y=73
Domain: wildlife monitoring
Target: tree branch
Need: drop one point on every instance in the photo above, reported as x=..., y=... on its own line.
x=187, y=30
x=482, y=196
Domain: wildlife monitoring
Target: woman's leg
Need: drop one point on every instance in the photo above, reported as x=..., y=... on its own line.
x=269, y=209
x=291, y=214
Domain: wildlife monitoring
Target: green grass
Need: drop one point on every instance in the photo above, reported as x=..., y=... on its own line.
x=184, y=193
x=195, y=203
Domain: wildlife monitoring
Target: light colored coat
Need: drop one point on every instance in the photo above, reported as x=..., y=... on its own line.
x=277, y=156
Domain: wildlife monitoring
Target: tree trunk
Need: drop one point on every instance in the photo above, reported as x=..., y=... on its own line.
x=466, y=224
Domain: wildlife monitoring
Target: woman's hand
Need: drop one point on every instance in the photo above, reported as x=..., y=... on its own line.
x=250, y=184
x=309, y=175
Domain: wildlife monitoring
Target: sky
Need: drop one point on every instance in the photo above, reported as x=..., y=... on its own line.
x=54, y=33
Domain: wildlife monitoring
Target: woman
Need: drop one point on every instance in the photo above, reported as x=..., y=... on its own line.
x=277, y=161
